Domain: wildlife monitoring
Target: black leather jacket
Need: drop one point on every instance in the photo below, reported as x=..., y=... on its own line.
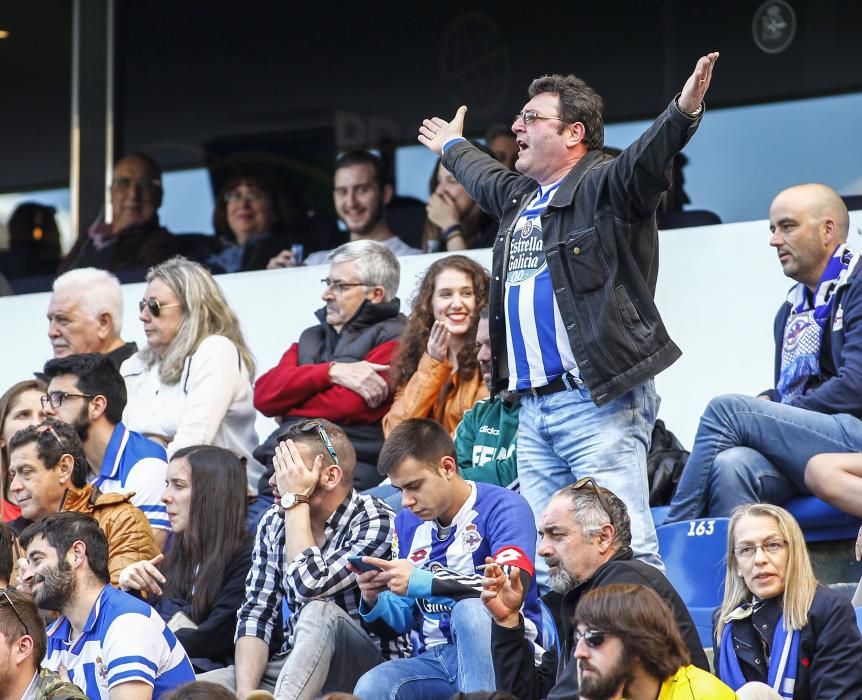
x=601, y=247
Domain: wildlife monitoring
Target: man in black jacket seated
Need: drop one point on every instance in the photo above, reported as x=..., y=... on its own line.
x=585, y=536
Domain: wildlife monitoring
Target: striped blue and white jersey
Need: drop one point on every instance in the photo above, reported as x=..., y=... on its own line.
x=124, y=640
x=135, y=463
x=493, y=522
x=536, y=341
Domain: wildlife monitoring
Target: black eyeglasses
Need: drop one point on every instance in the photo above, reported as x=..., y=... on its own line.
x=154, y=305
x=588, y=481
x=341, y=287
x=5, y=594
x=593, y=638
x=315, y=425
x=56, y=398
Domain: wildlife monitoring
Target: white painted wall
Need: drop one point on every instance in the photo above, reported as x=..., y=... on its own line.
x=718, y=290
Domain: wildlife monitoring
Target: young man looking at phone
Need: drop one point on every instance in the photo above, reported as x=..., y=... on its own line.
x=447, y=529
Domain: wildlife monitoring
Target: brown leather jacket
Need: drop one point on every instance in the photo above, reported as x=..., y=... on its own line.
x=130, y=538
x=434, y=392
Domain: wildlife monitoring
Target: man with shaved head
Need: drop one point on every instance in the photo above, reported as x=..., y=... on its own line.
x=752, y=449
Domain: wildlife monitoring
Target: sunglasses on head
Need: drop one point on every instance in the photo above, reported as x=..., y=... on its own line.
x=593, y=638
x=590, y=483
x=154, y=306
x=315, y=425
x=4, y=594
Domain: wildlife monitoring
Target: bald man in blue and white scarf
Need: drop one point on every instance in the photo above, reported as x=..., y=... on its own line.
x=750, y=449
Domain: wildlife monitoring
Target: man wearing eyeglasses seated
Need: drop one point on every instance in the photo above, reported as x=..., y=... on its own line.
x=337, y=369
x=22, y=649
x=585, y=534
x=300, y=561
x=628, y=646
x=134, y=240
x=88, y=392
x=574, y=326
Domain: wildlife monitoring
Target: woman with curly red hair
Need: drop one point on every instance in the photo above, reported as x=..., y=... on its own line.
x=436, y=374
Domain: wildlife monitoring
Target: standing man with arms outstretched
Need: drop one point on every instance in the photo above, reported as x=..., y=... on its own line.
x=574, y=327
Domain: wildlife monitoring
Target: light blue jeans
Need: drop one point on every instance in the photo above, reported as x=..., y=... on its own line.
x=443, y=670
x=749, y=450
x=564, y=436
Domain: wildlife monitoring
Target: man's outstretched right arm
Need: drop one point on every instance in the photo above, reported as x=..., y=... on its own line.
x=485, y=179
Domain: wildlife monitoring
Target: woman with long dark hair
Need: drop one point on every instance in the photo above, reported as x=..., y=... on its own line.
x=199, y=584
x=436, y=371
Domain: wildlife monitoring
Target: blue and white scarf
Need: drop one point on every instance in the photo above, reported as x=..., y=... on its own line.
x=783, y=661
x=803, y=333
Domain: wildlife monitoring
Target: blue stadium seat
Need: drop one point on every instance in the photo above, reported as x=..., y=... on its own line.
x=821, y=522
x=859, y=618
x=694, y=555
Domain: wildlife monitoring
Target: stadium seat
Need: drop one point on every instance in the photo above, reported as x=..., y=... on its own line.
x=694, y=556
x=859, y=618
x=821, y=522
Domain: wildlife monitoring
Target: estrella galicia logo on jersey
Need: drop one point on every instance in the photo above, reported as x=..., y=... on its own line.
x=470, y=538
x=418, y=556
x=526, y=253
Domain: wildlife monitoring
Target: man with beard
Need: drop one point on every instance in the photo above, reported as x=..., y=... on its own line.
x=113, y=645
x=585, y=534
x=628, y=646
x=88, y=392
x=300, y=561
x=360, y=194
x=486, y=436
x=22, y=649
x=48, y=471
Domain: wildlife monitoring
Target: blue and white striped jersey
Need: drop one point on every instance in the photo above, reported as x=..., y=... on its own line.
x=124, y=640
x=493, y=522
x=135, y=463
x=536, y=341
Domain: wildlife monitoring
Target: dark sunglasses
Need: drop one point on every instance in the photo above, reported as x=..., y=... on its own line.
x=589, y=482
x=154, y=306
x=5, y=594
x=593, y=638
x=315, y=425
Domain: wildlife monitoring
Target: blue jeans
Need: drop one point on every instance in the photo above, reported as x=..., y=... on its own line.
x=443, y=670
x=564, y=436
x=748, y=450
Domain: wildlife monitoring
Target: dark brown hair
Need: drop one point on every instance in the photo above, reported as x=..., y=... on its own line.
x=414, y=339
x=312, y=439
x=642, y=620
x=578, y=103
x=423, y=439
x=54, y=439
x=198, y=557
x=30, y=623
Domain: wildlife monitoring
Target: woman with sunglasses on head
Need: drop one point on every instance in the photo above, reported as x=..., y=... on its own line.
x=780, y=634
x=20, y=407
x=436, y=371
x=255, y=218
x=191, y=384
x=199, y=584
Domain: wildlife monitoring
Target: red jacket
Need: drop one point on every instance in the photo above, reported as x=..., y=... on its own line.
x=290, y=389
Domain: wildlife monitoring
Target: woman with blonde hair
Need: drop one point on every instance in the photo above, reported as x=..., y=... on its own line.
x=192, y=383
x=781, y=634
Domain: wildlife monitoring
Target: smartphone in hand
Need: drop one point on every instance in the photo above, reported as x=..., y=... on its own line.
x=359, y=565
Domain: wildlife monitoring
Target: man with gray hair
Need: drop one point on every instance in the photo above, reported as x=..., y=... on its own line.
x=586, y=536
x=337, y=368
x=85, y=314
